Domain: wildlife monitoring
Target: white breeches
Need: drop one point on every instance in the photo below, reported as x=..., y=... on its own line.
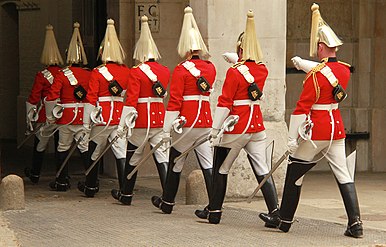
x=119, y=146
x=336, y=156
x=45, y=138
x=204, y=152
x=69, y=133
x=254, y=145
x=154, y=137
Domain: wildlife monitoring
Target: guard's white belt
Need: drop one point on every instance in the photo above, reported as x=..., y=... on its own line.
x=324, y=107
x=245, y=102
x=150, y=100
x=110, y=98
x=196, y=97
x=72, y=105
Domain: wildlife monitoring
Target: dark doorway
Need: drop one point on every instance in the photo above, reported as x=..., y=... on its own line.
x=92, y=17
x=9, y=85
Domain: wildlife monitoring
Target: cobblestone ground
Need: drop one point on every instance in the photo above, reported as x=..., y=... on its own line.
x=69, y=219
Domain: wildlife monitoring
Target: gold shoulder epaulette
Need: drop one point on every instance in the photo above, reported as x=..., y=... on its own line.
x=318, y=67
x=237, y=64
x=348, y=65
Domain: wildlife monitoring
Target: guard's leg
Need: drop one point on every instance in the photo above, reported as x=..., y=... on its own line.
x=219, y=184
x=166, y=201
x=61, y=183
x=269, y=193
x=33, y=173
x=125, y=193
x=91, y=186
x=162, y=168
x=350, y=199
x=293, y=182
x=120, y=164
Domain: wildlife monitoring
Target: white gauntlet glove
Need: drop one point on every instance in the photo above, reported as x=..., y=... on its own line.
x=292, y=145
x=303, y=64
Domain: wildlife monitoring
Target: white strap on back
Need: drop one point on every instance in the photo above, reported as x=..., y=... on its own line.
x=105, y=72
x=244, y=70
x=47, y=74
x=327, y=72
x=70, y=76
x=191, y=67
x=148, y=72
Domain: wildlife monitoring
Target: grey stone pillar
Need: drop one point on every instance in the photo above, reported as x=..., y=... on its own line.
x=220, y=23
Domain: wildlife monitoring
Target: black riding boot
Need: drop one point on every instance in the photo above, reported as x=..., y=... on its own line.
x=61, y=183
x=162, y=169
x=120, y=163
x=269, y=193
x=291, y=195
x=85, y=159
x=350, y=199
x=219, y=184
x=33, y=173
x=208, y=178
x=270, y=197
x=125, y=192
x=166, y=202
x=91, y=186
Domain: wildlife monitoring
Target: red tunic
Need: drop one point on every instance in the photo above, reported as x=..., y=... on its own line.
x=183, y=84
x=61, y=88
x=140, y=86
x=236, y=88
x=320, y=92
x=98, y=87
x=40, y=90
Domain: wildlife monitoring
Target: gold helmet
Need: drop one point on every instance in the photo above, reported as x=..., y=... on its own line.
x=50, y=54
x=110, y=49
x=321, y=32
x=145, y=48
x=75, y=52
x=190, y=38
x=248, y=41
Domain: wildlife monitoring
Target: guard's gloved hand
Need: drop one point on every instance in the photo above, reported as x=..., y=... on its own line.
x=292, y=145
x=214, y=138
x=303, y=64
x=122, y=131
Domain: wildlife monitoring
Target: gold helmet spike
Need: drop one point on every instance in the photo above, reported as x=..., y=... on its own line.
x=110, y=49
x=321, y=32
x=50, y=54
x=249, y=43
x=190, y=38
x=75, y=53
x=145, y=48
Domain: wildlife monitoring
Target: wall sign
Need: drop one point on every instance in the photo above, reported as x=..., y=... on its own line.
x=151, y=10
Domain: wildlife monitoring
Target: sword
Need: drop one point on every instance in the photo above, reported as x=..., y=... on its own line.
x=30, y=135
x=102, y=153
x=73, y=148
x=277, y=164
x=176, y=128
x=109, y=146
x=144, y=159
x=198, y=143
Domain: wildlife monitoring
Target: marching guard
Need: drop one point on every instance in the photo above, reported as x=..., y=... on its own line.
x=190, y=88
x=64, y=104
x=147, y=87
x=35, y=108
x=241, y=96
x=107, y=87
x=316, y=128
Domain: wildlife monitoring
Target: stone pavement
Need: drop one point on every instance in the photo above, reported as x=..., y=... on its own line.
x=69, y=219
